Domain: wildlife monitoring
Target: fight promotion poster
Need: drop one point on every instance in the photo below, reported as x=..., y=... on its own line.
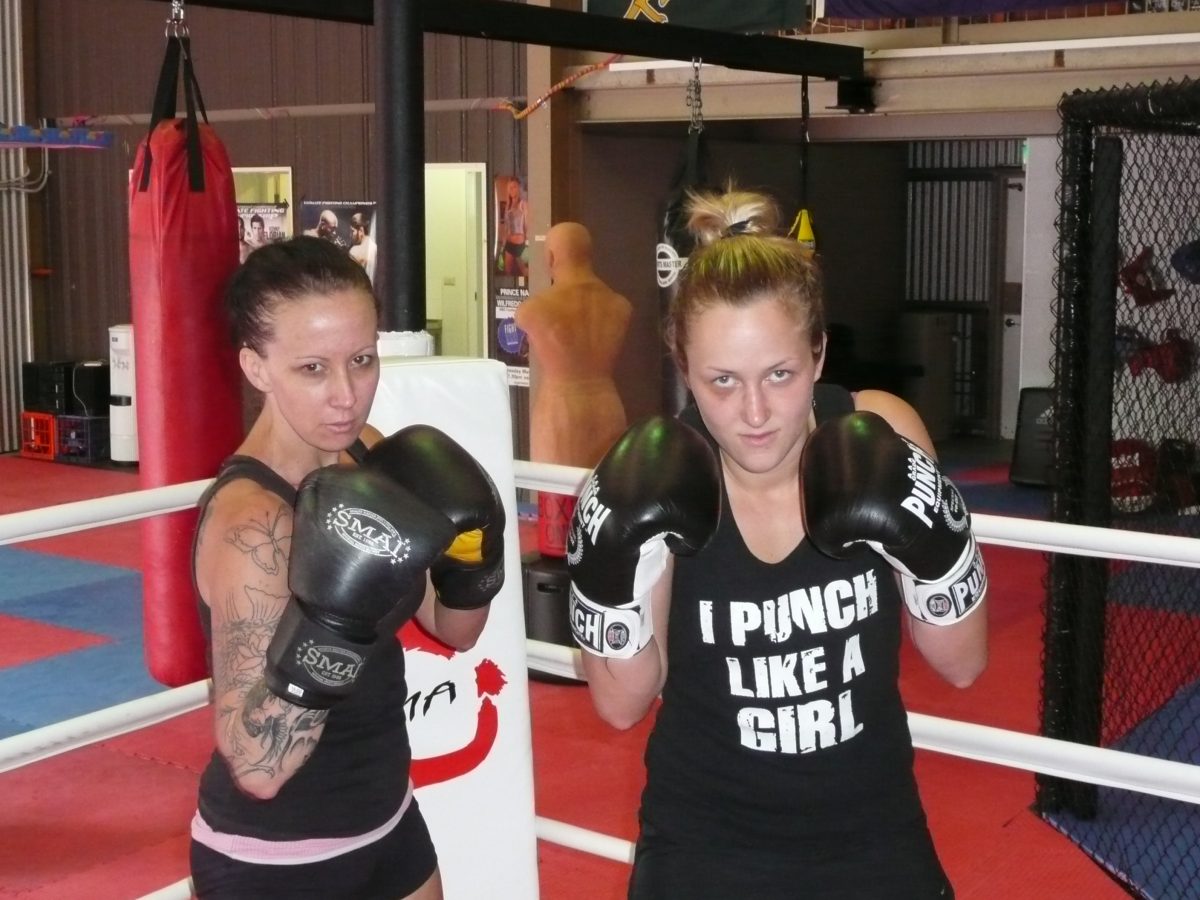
x=350, y=225
x=510, y=275
x=260, y=224
x=468, y=712
x=511, y=344
x=512, y=218
x=264, y=206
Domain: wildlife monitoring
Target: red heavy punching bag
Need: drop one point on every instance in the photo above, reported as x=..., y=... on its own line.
x=183, y=247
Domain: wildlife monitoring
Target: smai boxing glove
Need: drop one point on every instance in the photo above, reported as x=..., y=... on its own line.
x=862, y=483
x=360, y=548
x=657, y=489
x=437, y=469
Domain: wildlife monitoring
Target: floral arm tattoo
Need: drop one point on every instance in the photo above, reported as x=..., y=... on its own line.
x=264, y=733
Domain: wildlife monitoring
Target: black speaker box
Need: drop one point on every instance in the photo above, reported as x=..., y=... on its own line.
x=65, y=388
x=89, y=391
x=45, y=386
x=547, y=588
x=1033, y=449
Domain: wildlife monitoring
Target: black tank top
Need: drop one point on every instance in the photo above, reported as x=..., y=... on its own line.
x=781, y=721
x=357, y=777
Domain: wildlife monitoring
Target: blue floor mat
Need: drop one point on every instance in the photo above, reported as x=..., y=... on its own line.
x=1006, y=500
x=25, y=572
x=1152, y=842
x=86, y=597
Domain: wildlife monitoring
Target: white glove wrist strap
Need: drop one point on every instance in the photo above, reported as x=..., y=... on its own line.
x=620, y=631
x=616, y=632
x=953, y=598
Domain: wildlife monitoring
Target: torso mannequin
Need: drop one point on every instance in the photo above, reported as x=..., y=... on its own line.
x=576, y=329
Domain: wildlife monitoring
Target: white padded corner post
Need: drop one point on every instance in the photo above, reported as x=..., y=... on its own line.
x=469, y=712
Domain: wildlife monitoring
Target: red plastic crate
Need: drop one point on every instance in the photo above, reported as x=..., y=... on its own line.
x=38, y=435
x=554, y=520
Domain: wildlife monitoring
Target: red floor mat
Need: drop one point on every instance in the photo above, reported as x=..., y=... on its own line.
x=85, y=823
x=25, y=641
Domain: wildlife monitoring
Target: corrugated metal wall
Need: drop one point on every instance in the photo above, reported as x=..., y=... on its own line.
x=18, y=173
x=101, y=57
x=951, y=233
x=986, y=154
x=952, y=218
x=954, y=245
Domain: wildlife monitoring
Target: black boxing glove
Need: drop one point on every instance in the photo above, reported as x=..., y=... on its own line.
x=438, y=470
x=864, y=484
x=657, y=489
x=360, y=548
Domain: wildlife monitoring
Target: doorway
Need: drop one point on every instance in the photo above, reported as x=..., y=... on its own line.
x=456, y=258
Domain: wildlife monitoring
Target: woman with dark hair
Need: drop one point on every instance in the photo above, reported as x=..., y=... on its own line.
x=306, y=564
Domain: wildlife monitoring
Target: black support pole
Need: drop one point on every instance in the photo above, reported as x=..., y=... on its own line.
x=400, y=164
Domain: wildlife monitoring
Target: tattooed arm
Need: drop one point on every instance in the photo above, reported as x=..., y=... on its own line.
x=242, y=569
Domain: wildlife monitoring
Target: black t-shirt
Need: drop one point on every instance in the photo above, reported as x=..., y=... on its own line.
x=357, y=777
x=781, y=724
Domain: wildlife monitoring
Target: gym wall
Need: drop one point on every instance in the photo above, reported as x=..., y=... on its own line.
x=856, y=193
x=101, y=57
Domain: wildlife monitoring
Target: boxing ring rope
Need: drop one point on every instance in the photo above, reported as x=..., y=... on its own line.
x=1095, y=765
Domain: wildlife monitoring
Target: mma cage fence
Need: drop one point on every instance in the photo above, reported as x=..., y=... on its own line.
x=1122, y=639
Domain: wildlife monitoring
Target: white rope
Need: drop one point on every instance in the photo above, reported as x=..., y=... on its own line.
x=180, y=890
x=1028, y=534
x=1064, y=759
x=1086, y=540
x=549, y=477
x=554, y=659
x=577, y=838
x=1094, y=765
x=1033, y=753
x=66, y=518
x=71, y=734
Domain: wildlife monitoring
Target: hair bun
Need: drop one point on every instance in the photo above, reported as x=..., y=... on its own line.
x=712, y=216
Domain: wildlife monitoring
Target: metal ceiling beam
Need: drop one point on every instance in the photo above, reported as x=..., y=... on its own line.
x=401, y=127
x=522, y=23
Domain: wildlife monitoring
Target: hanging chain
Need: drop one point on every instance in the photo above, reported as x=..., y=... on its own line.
x=694, y=101
x=176, y=26
x=804, y=139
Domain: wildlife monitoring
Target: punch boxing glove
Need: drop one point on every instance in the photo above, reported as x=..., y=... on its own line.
x=864, y=484
x=360, y=548
x=438, y=470
x=658, y=489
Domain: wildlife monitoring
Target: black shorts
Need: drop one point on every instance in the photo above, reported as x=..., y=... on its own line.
x=896, y=867
x=393, y=866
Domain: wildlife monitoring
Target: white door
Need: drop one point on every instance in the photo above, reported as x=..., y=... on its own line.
x=1010, y=382
x=456, y=257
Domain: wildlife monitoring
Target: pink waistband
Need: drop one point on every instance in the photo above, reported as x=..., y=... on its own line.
x=290, y=853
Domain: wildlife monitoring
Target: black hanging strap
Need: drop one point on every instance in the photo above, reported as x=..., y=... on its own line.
x=178, y=49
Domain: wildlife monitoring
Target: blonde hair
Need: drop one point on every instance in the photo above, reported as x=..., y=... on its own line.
x=740, y=258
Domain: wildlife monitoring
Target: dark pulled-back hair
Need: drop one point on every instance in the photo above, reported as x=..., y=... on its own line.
x=283, y=272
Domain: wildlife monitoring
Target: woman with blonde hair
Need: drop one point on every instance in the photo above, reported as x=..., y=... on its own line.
x=756, y=562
